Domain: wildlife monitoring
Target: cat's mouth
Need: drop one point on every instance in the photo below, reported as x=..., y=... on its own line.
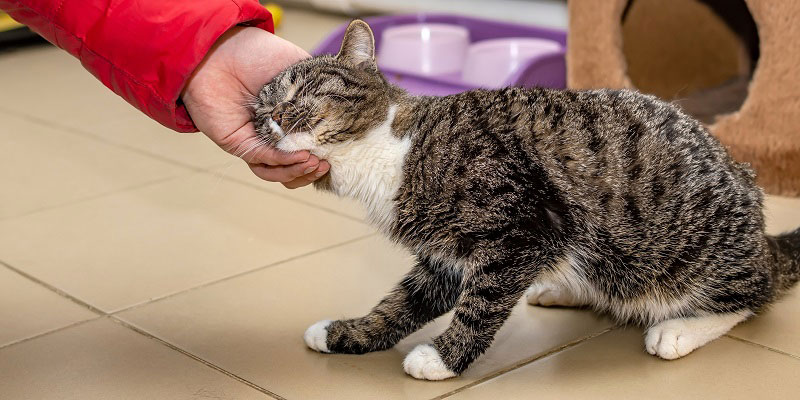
x=291, y=141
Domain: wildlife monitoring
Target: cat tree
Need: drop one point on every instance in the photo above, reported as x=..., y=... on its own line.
x=734, y=64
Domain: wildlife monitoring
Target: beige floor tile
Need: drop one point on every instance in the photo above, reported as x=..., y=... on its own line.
x=142, y=133
x=28, y=309
x=615, y=366
x=41, y=167
x=47, y=83
x=778, y=327
x=132, y=246
x=104, y=360
x=782, y=213
x=239, y=172
x=253, y=325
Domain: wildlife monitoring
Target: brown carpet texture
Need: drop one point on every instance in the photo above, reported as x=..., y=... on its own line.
x=744, y=85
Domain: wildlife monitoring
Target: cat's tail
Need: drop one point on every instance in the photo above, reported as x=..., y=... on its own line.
x=785, y=258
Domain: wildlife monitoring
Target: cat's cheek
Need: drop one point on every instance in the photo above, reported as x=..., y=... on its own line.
x=316, y=336
x=424, y=362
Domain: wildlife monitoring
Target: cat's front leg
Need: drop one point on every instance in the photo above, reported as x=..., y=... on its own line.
x=486, y=302
x=426, y=292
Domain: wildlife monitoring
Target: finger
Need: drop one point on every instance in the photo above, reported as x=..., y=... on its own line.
x=235, y=142
x=323, y=169
x=304, y=180
x=299, y=182
x=284, y=174
x=245, y=144
x=271, y=156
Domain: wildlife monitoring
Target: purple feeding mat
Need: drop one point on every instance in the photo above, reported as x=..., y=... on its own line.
x=547, y=70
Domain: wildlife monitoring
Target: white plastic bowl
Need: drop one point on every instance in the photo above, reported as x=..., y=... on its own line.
x=424, y=49
x=490, y=63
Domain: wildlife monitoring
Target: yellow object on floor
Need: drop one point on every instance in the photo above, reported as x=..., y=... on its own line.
x=7, y=23
x=277, y=13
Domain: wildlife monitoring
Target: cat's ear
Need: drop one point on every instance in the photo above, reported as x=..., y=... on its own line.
x=358, y=46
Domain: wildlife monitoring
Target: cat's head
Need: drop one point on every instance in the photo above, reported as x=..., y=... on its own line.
x=326, y=100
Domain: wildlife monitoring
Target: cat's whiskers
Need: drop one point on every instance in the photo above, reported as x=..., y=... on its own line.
x=317, y=119
x=219, y=174
x=240, y=148
x=299, y=120
x=256, y=145
x=294, y=107
x=251, y=101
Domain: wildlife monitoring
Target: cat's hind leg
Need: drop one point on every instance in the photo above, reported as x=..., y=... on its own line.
x=549, y=293
x=675, y=338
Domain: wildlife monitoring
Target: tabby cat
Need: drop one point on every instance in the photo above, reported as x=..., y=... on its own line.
x=608, y=199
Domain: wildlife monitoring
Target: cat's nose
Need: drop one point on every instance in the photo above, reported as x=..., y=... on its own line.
x=276, y=116
x=278, y=113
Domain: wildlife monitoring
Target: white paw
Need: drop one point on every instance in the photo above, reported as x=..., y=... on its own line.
x=316, y=336
x=424, y=363
x=549, y=294
x=673, y=339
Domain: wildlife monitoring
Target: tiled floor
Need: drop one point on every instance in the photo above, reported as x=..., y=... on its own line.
x=139, y=263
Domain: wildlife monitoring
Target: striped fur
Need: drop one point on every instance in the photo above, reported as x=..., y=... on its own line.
x=616, y=197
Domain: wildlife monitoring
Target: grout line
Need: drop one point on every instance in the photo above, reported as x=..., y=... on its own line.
x=197, y=358
x=239, y=274
x=524, y=362
x=100, y=313
x=765, y=347
x=59, y=329
x=54, y=289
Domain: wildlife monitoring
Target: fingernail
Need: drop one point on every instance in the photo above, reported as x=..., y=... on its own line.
x=308, y=170
x=319, y=173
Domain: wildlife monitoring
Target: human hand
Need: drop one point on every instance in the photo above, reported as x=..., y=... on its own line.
x=240, y=63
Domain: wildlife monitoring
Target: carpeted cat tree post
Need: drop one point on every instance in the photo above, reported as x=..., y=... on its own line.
x=734, y=64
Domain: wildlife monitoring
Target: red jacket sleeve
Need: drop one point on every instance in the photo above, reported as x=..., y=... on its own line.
x=143, y=50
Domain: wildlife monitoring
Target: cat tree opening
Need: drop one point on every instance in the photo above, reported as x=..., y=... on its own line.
x=698, y=53
x=763, y=130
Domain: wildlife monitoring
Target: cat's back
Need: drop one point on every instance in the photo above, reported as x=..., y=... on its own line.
x=606, y=144
x=620, y=159
x=586, y=138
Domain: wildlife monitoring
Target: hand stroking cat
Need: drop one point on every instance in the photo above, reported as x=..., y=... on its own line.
x=608, y=199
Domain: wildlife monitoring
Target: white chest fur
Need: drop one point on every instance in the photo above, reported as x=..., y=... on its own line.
x=369, y=169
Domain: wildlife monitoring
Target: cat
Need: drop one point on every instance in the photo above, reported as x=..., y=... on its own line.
x=608, y=199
